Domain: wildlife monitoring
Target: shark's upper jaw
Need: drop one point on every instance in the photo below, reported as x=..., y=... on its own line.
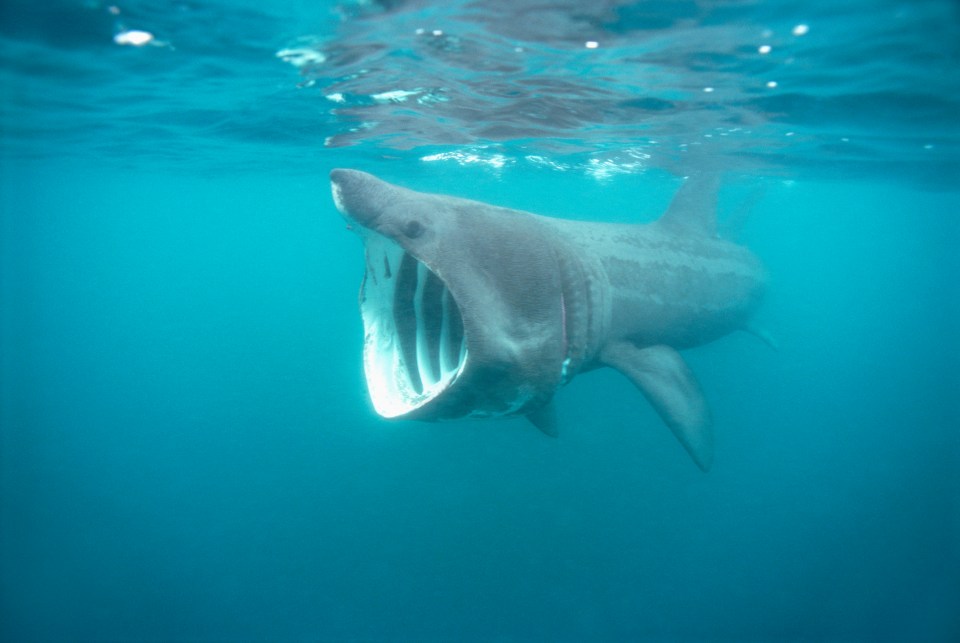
x=414, y=345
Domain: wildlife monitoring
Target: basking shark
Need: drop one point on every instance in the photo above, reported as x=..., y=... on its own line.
x=474, y=310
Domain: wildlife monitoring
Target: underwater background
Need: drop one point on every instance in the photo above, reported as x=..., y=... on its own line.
x=187, y=449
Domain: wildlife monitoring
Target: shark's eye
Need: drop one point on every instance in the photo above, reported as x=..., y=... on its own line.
x=413, y=228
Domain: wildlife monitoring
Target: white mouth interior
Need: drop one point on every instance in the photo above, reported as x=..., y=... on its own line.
x=414, y=345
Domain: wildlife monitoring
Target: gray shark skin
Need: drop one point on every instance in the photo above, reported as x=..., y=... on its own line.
x=473, y=310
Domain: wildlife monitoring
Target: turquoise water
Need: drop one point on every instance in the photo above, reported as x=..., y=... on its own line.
x=187, y=451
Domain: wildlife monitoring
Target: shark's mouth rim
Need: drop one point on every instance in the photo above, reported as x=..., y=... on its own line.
x=415, y=343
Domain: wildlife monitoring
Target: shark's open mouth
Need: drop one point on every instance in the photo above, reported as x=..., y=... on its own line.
x=414, y=345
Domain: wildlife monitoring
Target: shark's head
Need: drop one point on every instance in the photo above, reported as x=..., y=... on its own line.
x=462, y=302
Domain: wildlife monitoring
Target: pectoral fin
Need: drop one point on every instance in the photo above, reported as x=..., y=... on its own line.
x=764, y=335
x=667, y=382
x=545, y=419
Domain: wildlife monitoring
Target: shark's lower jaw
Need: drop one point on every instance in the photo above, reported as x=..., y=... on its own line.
x=414, y=343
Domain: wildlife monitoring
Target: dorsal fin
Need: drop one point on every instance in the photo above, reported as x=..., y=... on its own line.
x=694, y=206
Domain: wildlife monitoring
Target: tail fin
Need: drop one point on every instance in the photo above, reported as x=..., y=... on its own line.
x=733, y=225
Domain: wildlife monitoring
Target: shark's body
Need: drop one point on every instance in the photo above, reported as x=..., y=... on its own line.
x=472, y=310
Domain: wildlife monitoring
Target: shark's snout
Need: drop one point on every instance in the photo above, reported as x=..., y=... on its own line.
x=359, y=196
x=347, y=178
x=340, y=188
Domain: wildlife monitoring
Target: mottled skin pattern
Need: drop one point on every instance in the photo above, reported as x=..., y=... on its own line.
x=543, y=299
x=666, y=285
